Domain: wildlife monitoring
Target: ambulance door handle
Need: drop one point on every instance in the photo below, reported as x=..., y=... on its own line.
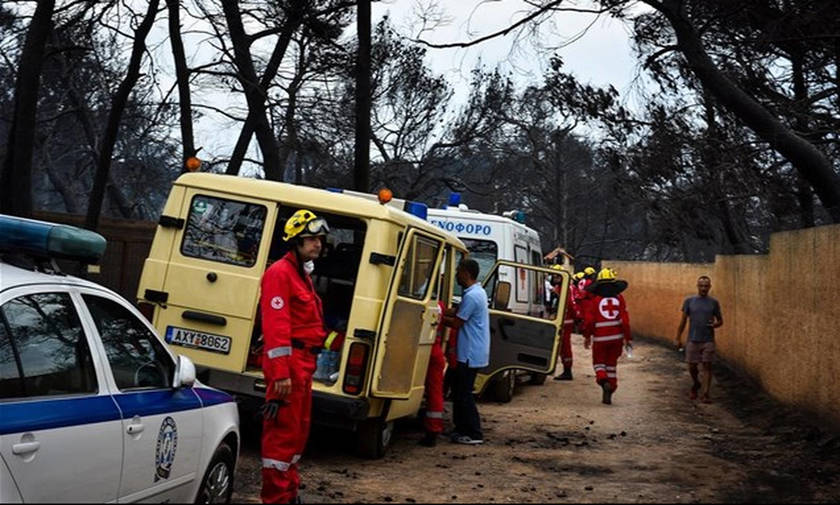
x=26, y=447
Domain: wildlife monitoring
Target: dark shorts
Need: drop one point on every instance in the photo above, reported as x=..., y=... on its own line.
x=699, y=352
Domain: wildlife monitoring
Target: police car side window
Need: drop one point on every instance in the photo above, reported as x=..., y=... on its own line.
x=138, y=359
x=11, y=378
x=48, y=345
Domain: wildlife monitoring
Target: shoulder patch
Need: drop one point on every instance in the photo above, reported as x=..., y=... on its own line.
x=277, y=303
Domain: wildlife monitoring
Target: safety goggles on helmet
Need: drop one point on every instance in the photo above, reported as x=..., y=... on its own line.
x=314, y=228
x=304, y=223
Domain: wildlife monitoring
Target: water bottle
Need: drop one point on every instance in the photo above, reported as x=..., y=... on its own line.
x=322, y=365
x=628, y=350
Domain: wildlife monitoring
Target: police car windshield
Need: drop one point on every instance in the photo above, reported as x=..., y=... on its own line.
x=485, y=252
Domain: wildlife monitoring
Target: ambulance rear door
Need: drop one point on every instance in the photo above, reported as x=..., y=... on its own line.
x=520, y=341
x=209, y=295
x=410, y=319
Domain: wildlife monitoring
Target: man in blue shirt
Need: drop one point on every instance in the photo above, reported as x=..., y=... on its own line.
x=473, y=324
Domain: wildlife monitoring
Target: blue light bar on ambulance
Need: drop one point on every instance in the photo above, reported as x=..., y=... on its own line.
x=454, y=199
x=418, y=209
x=50, y=240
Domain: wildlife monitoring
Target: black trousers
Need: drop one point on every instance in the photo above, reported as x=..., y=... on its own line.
x=464, y=411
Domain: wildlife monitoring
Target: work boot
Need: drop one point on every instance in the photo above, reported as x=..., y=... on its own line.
x=430, y=440
x=607, y=396
x=565, y=376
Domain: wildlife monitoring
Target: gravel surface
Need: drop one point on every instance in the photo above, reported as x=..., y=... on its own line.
x=558, y=443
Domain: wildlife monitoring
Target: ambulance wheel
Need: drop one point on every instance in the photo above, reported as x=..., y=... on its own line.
x=504, y=386
x=217, y=485
x=538, y=379
x=373, y=437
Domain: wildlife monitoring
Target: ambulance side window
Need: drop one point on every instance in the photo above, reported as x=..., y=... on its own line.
x=223, y=230
x=417, y=276
x=138, y=359
x=47, y=346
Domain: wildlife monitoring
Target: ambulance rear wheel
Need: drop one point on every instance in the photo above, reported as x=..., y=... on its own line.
x=504, y=386
x=373, y=437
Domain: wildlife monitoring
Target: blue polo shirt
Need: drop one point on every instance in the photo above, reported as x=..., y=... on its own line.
x=474, y=336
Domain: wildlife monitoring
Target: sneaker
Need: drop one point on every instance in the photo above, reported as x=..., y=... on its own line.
x=430, y=440
x=607, y=396
x=468, y=440
x=565, y=376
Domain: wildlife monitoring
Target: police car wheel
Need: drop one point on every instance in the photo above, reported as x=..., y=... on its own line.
x=217, y=486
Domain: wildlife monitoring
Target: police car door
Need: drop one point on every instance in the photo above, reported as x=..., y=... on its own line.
x=410, y=320
x=60, y=429
x=521, y=341
x=162, y=426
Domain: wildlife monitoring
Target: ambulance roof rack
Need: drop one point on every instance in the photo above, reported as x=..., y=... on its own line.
x=45, y=242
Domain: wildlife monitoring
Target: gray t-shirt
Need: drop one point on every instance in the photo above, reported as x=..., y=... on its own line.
x=700, y=310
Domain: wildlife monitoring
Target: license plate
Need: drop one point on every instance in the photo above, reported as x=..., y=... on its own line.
x=197, y=339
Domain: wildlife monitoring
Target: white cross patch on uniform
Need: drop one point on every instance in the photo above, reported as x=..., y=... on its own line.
x=277, y=303
x=609, y=308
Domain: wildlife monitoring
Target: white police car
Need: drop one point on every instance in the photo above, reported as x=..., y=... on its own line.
x=93, y=407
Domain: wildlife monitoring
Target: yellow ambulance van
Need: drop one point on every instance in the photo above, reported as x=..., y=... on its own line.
x=380, y=276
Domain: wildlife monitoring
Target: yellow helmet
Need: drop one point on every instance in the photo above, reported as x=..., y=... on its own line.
x=588, y=271
x=578, y=276
x=606, y=275
x=557, y=266
x=304, y=223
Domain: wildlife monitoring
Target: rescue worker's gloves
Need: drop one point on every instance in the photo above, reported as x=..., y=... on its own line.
x=304, y=223
x=270, y=408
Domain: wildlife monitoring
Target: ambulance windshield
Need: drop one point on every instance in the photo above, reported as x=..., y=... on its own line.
x=485, y=252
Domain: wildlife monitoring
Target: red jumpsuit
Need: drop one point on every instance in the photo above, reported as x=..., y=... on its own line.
x=607, y=322
x=293, y=329
x=433, y=422
x=568, y=326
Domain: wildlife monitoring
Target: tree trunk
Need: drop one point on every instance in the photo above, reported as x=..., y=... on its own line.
x=361, y=166
x=805, y=157
x=16, y=176
x=291, y=26
x=112, y=126
x=182, y=73
x=254, y=93
x=800, y=94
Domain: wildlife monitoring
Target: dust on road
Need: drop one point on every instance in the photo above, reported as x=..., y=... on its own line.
x=558, y=443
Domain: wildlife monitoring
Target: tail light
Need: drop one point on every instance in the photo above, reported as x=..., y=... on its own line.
x=148, y=311
x=354, y=374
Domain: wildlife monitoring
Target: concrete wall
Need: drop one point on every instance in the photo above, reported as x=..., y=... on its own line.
x=781, y=312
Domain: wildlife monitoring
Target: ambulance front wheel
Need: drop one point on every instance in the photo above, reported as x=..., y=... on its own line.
x=504, y=386
x=373, y=437
x=538, y=379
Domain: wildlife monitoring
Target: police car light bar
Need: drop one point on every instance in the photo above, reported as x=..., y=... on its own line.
x=50, y=240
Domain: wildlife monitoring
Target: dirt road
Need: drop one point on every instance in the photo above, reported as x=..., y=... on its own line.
x=559, y=443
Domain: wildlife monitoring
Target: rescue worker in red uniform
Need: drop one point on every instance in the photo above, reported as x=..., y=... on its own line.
x=606, y=328
x=293, y=332
x=568, y=326
x=433, y=422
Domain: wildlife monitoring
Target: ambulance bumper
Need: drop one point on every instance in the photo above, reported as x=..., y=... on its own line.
x=338, y=411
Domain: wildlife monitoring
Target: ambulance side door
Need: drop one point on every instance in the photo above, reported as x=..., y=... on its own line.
x=519, y=341
x=410, y=319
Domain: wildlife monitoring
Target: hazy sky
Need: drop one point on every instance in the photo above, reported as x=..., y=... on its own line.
x=595, y=49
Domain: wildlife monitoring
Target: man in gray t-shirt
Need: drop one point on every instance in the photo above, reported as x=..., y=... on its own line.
x=704, y=315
